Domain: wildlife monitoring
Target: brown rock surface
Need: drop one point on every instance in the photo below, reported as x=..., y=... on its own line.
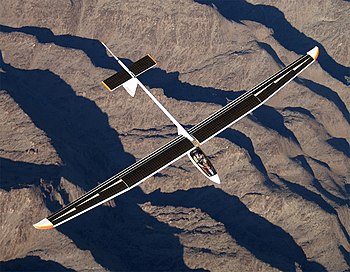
x=284, y=199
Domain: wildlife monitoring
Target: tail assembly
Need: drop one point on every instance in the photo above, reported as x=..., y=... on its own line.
x=127, y=77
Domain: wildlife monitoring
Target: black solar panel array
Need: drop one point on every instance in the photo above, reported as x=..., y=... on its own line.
x=142, y=65
x=204, y=130
x=156, y=162
x=137, y=68
x=137, y=172
x=116, y=80
x=284, y=71
x=290, y=73
x=80, y=205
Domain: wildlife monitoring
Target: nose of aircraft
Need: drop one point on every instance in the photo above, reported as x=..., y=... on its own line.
x=215, y=179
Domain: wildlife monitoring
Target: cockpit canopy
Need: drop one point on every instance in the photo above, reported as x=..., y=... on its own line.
x=202, y=162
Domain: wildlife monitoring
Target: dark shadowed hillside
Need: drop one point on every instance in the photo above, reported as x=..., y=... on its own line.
x=283, y=203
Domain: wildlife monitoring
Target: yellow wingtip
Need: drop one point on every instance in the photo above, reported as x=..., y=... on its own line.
x=314, y=52
x=104, y=84
x=43, y=224
x=152, y=58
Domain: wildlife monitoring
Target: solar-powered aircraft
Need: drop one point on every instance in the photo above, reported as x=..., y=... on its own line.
x=187, y=142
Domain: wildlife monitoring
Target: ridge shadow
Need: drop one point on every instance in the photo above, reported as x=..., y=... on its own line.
x=79, y=131
x=316, y=88
x=17, y=174
x=243, y=141
x=340, y=144
x=287, y=35
x=315, y=198
x=126, y=238
x=31, y=263
x=156, y=78
x=91, y=152
x=301, y=160
x=266, y=241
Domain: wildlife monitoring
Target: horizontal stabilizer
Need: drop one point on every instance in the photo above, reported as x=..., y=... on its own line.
x=137, y=68
x=116, y=80
x=142, y=65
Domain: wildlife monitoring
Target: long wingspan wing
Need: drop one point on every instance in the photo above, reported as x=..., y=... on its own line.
x=252, y=99
x=175, y=149
x=121, y=182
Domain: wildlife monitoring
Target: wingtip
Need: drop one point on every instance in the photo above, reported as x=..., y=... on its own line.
x=314, y=52
x=43, y=224
x=104, y=84
x=152, y=58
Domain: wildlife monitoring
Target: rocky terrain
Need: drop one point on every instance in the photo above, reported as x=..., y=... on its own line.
x=283, y=204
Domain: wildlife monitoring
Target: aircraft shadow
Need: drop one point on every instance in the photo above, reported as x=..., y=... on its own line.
x=266, y=241
x=287, y=35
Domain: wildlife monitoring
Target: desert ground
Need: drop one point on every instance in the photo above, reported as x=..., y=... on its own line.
x=283, y=203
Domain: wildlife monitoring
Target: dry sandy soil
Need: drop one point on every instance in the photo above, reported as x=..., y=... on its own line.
x=284, y=199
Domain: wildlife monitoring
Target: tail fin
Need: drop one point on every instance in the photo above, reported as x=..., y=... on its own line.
x=130, y=86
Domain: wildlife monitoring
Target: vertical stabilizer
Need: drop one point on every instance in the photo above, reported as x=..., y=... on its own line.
x=130, y=86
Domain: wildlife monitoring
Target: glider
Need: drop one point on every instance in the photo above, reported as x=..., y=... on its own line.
x=186, y=143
